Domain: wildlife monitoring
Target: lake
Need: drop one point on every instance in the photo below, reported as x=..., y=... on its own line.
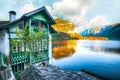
x=99, y=57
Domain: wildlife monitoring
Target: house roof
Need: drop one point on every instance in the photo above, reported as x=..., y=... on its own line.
x=3, y=23
x=46, y=71
x=27, y=15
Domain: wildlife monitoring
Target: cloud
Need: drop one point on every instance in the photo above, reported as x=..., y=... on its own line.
x=5, y=7
x=76, y=11
x=27, y=8
x=73, y=10
x=51, y=11
x=98, y=21
x=95, y=23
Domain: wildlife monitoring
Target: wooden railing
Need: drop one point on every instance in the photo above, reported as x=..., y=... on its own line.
x=20, y=55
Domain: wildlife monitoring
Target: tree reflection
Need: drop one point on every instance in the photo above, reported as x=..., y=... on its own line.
x=63, y=48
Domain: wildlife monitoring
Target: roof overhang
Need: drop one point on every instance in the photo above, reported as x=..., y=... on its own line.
x=27, y=15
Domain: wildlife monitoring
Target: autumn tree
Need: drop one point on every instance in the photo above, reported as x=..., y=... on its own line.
x=68, y=27
x=63, y=25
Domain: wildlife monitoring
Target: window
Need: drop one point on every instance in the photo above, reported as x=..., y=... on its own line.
x=35, y=23
x=21, y=26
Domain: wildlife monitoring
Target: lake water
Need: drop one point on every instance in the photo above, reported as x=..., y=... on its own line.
x=99, y=57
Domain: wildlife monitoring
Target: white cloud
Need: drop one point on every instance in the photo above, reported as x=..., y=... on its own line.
x=98, y=21
x=73, y=10
x=51, y=11
x=5, y=7
x=27, y=8
x=95, y=24
x=76, y=11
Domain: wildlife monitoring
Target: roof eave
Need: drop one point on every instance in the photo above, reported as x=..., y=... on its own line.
x=47, y=14
x=8, y=24
x=26, y=15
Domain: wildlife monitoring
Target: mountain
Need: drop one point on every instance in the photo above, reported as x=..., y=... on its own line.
x=103, y=31
x=65, y=29
x=60, y=36
x=112, y=32
x=63, y=25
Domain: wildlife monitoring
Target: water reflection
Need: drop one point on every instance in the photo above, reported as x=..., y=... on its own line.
x=107, y=50
x=66, y=48
x=97, y=57
x=101, y=46
x=63, y=49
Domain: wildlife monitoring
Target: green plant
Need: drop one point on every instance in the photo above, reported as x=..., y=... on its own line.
x=30, y=37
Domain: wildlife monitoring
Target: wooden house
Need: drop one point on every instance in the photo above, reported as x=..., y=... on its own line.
x=18, y=53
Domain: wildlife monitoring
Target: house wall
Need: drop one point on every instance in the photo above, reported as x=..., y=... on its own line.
x=50, y=44
x=39, y=16
x=50, y=48
x=4, y=38
x=13, y=27
x=2, y=41
x=7, y=46
x=12, y=30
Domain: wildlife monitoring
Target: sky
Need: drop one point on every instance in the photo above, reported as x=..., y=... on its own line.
x=83, y=13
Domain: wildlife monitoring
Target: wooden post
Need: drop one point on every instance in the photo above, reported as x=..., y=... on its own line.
x=49, y=44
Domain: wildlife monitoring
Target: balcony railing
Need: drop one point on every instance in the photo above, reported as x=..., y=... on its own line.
x=20, y=55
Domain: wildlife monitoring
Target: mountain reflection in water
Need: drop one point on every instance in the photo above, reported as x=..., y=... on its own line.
x=100, y=57
x=64, y=49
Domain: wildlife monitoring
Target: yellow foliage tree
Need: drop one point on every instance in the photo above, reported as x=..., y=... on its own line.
x=63, y=25
x=67, y=27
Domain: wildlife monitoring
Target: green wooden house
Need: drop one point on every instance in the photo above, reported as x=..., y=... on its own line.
x=18, y=53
